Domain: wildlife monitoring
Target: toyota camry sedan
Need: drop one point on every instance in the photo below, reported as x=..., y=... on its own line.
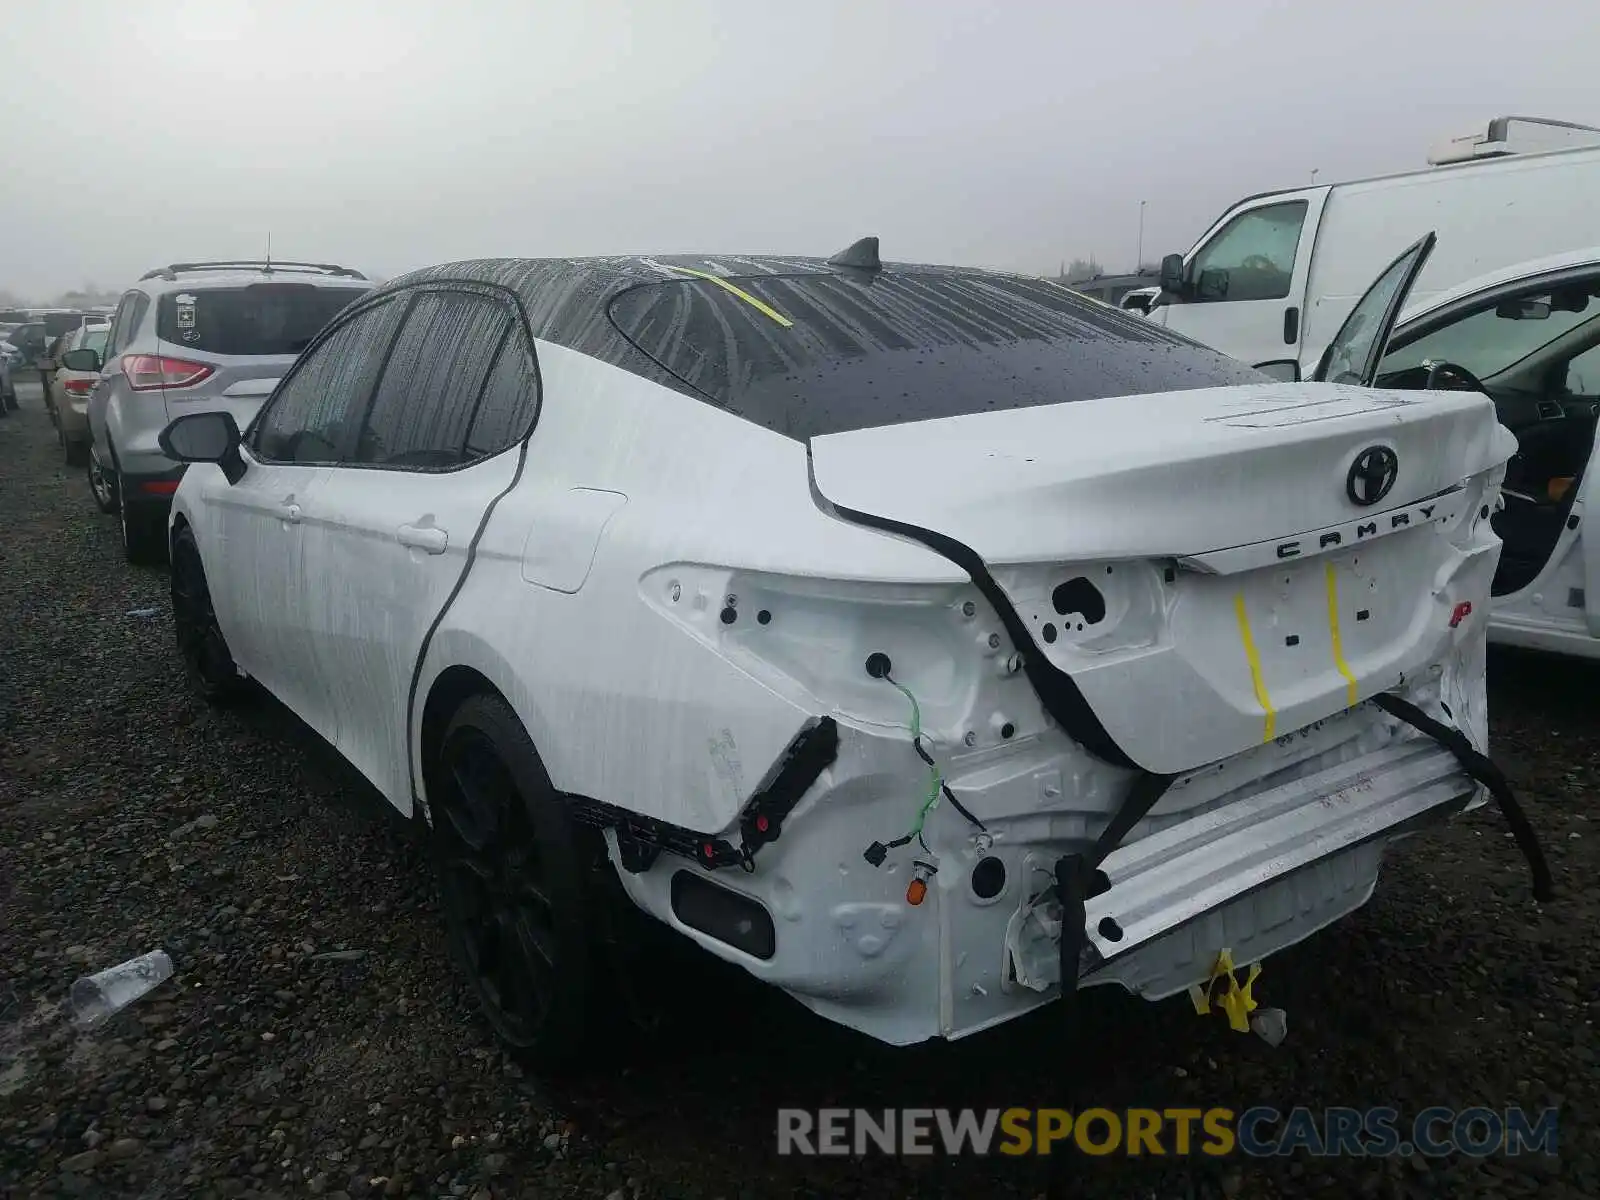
x=929, y=642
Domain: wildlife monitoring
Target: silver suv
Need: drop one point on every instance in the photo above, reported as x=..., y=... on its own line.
x=188, y=338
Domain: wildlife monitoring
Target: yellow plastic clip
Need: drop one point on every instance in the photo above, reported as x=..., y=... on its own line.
x=1236, y=999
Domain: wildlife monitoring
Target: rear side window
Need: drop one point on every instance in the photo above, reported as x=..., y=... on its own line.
x=256, y=318
x=429, y=392
x=314, y=415
x=95, y=339
x=812, y=354
x=510, y=400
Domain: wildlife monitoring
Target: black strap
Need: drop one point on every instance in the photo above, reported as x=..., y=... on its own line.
x=1482, y=769
x=1078, y=878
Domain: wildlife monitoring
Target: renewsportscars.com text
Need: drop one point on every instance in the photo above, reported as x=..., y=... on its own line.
x=1258, y=1132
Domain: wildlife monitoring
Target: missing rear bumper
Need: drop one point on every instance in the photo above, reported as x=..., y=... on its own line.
x=1267, y=869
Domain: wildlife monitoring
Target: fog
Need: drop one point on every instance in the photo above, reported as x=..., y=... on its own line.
x=389, y=135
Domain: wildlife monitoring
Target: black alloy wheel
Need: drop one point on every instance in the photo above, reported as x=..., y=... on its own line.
x=512, y=870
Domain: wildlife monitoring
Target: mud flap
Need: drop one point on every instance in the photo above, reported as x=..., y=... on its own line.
x=1482, y=769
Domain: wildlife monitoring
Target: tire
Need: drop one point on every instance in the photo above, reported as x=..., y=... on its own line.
x=206, y=658
x=515, y=875
x=102, y=484
x=143, y=539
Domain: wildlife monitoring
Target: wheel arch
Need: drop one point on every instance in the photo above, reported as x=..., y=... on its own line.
x=461, y=664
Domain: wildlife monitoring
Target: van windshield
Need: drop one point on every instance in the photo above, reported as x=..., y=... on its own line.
x=813, y=353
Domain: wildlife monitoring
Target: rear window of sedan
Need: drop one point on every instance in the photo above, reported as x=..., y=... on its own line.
x=256, y=318
x=818, y=353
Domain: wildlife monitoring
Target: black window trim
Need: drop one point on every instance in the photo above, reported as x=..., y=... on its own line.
x=410, y=293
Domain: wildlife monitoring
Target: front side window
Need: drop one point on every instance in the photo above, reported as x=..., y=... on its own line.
x=1252, y=256
x=94, y=338
x=429, y=392
x=258, y=318
x=314, y=414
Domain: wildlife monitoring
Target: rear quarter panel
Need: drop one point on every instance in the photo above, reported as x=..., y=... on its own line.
x=625, y=705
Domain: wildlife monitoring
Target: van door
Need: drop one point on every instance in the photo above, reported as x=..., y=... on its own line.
x=1244, y=283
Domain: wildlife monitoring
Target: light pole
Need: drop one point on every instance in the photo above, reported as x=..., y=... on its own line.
x=1138, y=257
x=1313, y=176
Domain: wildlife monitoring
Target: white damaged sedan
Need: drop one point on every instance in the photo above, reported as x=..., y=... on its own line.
x=916, y=638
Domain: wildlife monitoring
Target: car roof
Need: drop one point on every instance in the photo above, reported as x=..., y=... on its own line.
x=1567, y=259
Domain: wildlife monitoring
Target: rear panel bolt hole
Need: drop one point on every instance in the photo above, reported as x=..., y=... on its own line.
x=1008, y=730
x=988, y=878
x=969, y=609
x=1081, y=597
x=994, y=641
x=970, y=738
x=878, y=665
x=764, y=617
x=1049, y=632
x=1110, y=930
x=729, y=616
x=675, y=592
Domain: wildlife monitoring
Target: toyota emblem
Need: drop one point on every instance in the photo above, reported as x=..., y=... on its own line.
x=1372, y=475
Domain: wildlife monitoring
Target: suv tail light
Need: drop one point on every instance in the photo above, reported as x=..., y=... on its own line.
x=147, y=372
x=79, y=387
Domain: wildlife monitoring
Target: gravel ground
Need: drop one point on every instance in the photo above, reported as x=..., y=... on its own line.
x=315, y=1040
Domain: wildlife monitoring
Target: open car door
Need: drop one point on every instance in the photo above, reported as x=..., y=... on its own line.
x=1355, y=351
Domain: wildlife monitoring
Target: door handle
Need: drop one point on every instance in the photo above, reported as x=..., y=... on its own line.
x=428, y=538
x=1291, y=325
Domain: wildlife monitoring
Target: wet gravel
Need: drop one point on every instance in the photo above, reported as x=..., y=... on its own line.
x=315, y=1040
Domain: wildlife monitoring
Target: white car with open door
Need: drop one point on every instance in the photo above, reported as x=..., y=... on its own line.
x=1529, y=336
x=916, y=638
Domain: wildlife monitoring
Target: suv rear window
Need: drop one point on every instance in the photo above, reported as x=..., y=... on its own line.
x=256, y=318
x=818, y=353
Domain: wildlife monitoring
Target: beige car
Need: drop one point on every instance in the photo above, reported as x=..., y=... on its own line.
x=68, y=395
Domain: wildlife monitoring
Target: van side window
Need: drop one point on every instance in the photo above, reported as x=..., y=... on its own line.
x=1251, y=257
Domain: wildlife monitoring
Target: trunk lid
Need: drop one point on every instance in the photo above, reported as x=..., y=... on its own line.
x=1212, y=568
x=1168, y=475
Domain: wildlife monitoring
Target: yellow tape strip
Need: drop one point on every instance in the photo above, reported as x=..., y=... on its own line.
x=760, y=307
x=1333, y=630
x=1257, y=681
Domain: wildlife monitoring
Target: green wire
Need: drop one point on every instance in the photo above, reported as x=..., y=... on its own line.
x=935, y=779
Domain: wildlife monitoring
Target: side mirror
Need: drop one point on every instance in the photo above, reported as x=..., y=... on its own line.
x=1172, y=274
x=1212, y=285
x=1284, y=370
x=81, y=360
x=208, y=437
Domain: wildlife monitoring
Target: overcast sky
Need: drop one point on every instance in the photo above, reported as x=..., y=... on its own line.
x=394, y=133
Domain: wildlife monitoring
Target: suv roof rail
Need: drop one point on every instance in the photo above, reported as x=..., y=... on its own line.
x=266, y=266
x=1499, y=140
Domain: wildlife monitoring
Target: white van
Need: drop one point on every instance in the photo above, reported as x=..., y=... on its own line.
x=1277, y=274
